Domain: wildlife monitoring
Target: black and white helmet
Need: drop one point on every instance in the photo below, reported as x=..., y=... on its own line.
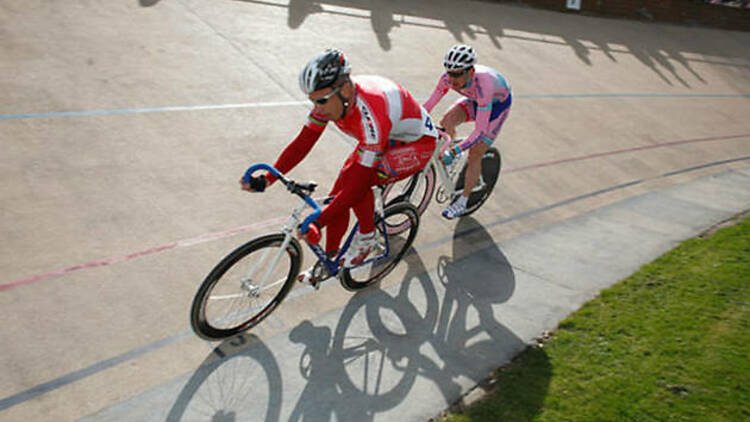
x=323, y=70
x=459, y=57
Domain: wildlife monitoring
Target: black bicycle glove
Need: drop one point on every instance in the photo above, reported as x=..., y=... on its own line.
x=257, y=184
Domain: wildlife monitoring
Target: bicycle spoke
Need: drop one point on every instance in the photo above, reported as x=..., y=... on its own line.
x=273, y=265
x=225, y=297
x=375, y=269
x=232, y=298
x=257, y=264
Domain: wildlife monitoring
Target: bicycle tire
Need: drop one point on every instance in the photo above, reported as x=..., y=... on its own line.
x=406, y=187
x=350, y=276
x=491, y=165
x=208, y=329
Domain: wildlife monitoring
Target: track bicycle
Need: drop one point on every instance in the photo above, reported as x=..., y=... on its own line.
x=250, y=283
x=419, y=188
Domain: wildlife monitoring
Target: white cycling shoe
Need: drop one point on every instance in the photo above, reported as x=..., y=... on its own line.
x=316, y=274
x=307, y=278
x=456, y=209
x=360, y=248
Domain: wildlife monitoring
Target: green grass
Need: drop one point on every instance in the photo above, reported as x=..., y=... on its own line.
x=670, y=343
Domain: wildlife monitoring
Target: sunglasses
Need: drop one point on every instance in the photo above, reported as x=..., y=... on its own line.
x=324, y=99
x=457, y=74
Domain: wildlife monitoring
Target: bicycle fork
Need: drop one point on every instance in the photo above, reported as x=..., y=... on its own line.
x=255, y=289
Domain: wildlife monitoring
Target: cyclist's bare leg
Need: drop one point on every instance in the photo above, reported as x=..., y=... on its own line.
x=475, y=167
x=454, y=117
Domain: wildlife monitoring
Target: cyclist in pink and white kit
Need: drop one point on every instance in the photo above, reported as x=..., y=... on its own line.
x=486, y=101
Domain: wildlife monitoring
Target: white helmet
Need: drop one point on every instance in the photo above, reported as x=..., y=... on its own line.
x=323, y=70
x=459, y=57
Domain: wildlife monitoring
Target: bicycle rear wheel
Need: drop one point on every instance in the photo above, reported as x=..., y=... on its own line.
x=417, y=190
x=232, y=299
x=491, y=164
x=367, y=274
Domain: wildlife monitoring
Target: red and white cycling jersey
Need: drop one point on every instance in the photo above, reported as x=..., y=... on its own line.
x=384, y=114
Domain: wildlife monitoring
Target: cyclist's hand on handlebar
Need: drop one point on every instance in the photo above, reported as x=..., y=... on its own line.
x=253, y=184
x=449, y=155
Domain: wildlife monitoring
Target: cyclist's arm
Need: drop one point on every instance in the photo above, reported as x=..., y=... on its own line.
x=437, y=94
x=298, y=149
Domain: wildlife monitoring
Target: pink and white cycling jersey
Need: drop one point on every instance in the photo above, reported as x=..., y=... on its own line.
x=489, y=92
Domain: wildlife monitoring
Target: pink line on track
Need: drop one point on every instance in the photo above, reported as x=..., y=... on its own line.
x=120, y=258
x=220, y=235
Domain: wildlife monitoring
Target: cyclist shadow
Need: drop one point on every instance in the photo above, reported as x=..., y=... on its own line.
x=351, y=372
x=474, y=285
x=439, y=327
x=239, y=368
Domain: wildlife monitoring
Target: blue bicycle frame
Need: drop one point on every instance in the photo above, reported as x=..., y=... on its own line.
x=332, y=265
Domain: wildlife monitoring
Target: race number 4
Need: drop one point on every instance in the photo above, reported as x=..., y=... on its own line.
x=428, y=123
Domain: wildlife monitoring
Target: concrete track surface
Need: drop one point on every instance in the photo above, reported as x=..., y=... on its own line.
x=124, y=129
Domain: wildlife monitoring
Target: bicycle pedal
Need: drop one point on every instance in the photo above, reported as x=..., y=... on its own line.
x=308, y=280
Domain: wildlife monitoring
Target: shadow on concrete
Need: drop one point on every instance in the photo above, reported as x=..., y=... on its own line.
x=240, y=377
x=583, y=35
x=359, y=369
x=441, y=331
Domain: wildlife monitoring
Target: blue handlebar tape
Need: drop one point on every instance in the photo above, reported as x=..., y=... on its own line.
x=261, y=166
x=312, y=217
x=314, y=205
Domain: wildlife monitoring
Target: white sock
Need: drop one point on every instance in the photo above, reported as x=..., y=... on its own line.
x=462, y=200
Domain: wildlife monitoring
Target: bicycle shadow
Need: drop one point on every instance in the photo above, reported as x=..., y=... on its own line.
x=352, y=374
x=240, y=378
x=434, y=327
x=435, y=331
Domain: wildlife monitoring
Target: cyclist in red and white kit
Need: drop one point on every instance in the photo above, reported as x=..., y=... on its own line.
x=395, y=139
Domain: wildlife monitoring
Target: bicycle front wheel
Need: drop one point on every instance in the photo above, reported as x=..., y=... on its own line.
x=367, y=274
x=245, y=287
x=491, y=164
